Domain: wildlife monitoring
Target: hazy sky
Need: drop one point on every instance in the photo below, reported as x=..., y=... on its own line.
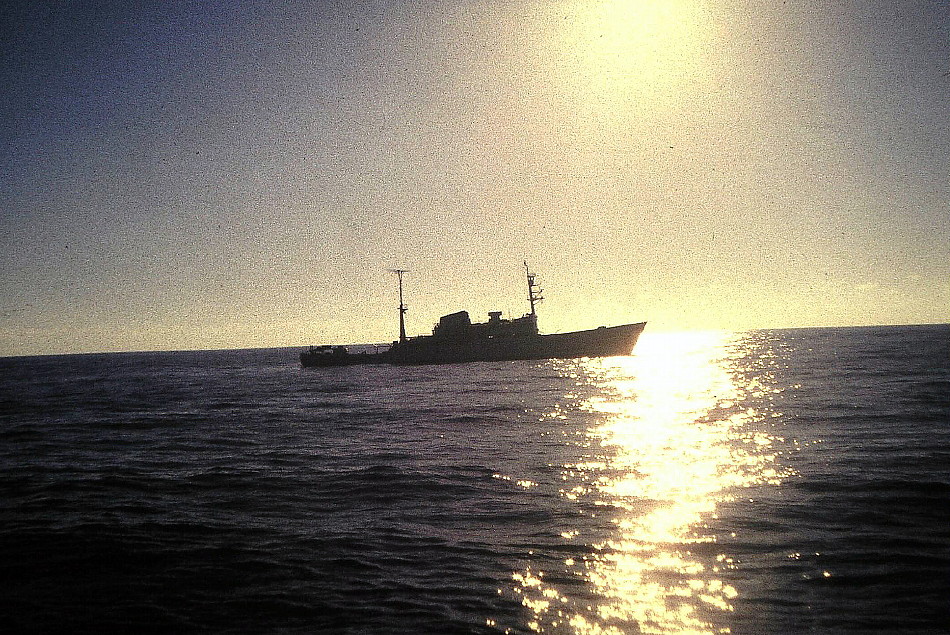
x=186, y=174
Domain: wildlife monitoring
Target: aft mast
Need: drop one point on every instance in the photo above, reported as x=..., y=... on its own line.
x=402, y=307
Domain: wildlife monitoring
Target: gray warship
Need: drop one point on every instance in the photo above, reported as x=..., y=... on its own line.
x=456, y=339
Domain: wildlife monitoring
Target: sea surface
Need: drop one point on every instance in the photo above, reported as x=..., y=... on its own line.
x=783, y=481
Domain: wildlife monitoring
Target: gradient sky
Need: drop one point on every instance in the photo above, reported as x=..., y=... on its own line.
x=193, y=174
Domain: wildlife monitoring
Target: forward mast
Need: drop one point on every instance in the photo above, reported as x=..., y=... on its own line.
x=534, y=290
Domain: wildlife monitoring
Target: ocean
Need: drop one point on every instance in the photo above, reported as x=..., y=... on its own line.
x=779, y=481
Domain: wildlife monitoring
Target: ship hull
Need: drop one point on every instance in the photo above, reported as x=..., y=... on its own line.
x=321, y=359
x=606, y=341
x=600, y=342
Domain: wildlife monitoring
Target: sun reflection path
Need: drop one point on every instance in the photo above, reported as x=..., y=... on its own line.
x=675, y=437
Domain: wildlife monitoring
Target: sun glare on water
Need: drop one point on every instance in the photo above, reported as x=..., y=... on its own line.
x=673, y=439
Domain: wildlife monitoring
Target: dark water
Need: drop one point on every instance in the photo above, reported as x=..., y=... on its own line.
x=764, y=482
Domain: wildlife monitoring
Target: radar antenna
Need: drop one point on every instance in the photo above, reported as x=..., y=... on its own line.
x=534, y=290
x=402, y=307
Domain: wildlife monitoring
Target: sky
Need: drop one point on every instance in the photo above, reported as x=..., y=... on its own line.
x=198, y=175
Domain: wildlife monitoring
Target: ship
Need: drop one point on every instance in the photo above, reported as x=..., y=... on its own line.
x=456, y=339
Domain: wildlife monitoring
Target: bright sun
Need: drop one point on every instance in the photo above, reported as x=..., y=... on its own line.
x=631, y=50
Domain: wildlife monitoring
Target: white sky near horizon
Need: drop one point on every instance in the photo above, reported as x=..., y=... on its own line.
x=198, y=175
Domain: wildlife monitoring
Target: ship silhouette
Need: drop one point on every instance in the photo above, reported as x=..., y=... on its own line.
x=456, y=339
